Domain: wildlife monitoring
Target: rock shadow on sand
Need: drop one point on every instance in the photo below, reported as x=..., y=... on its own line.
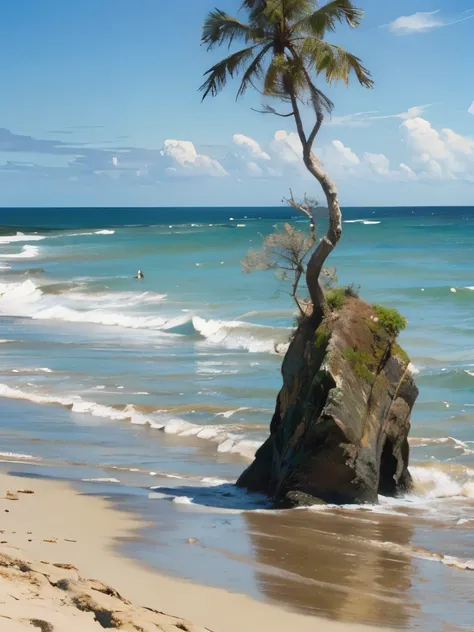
x=219, y=496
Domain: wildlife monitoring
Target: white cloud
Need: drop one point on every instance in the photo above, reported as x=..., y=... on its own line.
x=424, y=138
x=414, y=112
x=287, y=146
x=251, y=146
x=347, y=154
x=442, y=156
x=379, y=163
x=407, y=171
x=184, y=154
x=358, y=119
x=254, y=170
x=417, y=22
x=457, y=142
x=423, y=22
x=363, y=119
x=471, y=109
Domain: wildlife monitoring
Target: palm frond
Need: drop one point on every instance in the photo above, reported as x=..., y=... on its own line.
x=296, y=9
x=255, y=69
x=221, y=28
x=259, y=5
x=218, y=75
x=320, y=101
x=327, y=17
x=284, y=75
x=273, y=84
x=335, y=62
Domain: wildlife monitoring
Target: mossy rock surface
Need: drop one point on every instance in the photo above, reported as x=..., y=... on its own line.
x=340, y=427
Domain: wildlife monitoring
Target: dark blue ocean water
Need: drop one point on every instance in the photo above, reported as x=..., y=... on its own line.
x=176, y=375
x=100, y=217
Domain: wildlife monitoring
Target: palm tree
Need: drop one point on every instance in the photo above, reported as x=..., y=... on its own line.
x=285, y=56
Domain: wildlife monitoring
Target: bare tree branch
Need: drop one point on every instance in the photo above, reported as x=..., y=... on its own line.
x=306, y=206
x=267, y=109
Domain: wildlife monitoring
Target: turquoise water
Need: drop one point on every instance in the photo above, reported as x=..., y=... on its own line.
x=172, y=379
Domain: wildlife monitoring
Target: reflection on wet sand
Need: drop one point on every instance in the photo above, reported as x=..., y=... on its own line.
x=330, y=568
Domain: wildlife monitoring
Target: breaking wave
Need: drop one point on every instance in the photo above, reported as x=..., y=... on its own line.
x=27, y=252
x=122, y=309
x=230, y=439
x=19, y=237
x=26, y=299
x=242, y=335
x=361, y=221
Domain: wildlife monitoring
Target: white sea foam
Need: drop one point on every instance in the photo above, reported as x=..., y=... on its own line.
x=183, y=500
x=413, y=369
x=100, y=480
x=424, y=554
x=440, y=482
x=27, y=299
x=23, y=457
x=20, y=237
x=104, y=232
x=417, y=441
x=361, y=221
x=33, y=370
x=99, y=317
x=116, y=299
x=228, y=438
x=228, y=413
x=27, y=252
x=242, y=335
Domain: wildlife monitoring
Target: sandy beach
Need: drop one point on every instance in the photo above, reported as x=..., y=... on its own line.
x=60, y=572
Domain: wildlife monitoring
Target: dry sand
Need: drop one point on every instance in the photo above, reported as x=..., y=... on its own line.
x=53, y=541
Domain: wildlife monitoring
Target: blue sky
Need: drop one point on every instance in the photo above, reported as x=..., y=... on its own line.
x=100, y=106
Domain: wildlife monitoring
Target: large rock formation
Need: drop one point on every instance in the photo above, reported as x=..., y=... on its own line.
x=339, y=432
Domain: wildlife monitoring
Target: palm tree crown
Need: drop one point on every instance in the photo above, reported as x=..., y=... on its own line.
x=285, y=48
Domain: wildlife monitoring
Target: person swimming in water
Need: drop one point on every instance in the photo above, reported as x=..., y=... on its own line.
x=140, y=275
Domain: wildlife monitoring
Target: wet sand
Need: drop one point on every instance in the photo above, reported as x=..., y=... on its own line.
x=47, y=532
x=398, y=569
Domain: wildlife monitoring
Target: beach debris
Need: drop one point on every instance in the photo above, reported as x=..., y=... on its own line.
x=191, y=540
x=50, y=541
x=67, y=540
x=25, y=491
x=11, y=496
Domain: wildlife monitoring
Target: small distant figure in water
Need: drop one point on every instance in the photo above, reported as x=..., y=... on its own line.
x=140, y=275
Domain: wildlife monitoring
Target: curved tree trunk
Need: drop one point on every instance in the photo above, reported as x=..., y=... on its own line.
x=329, y=241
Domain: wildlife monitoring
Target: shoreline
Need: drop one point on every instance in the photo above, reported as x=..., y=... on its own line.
x=58, y=525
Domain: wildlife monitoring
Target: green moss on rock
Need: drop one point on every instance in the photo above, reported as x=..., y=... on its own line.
x=401, y=353
x=321, y=336
x=390, y=320
x=336, y=298
x=362, y=363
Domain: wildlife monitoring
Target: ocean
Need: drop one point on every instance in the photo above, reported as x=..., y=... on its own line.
x=157, y=392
